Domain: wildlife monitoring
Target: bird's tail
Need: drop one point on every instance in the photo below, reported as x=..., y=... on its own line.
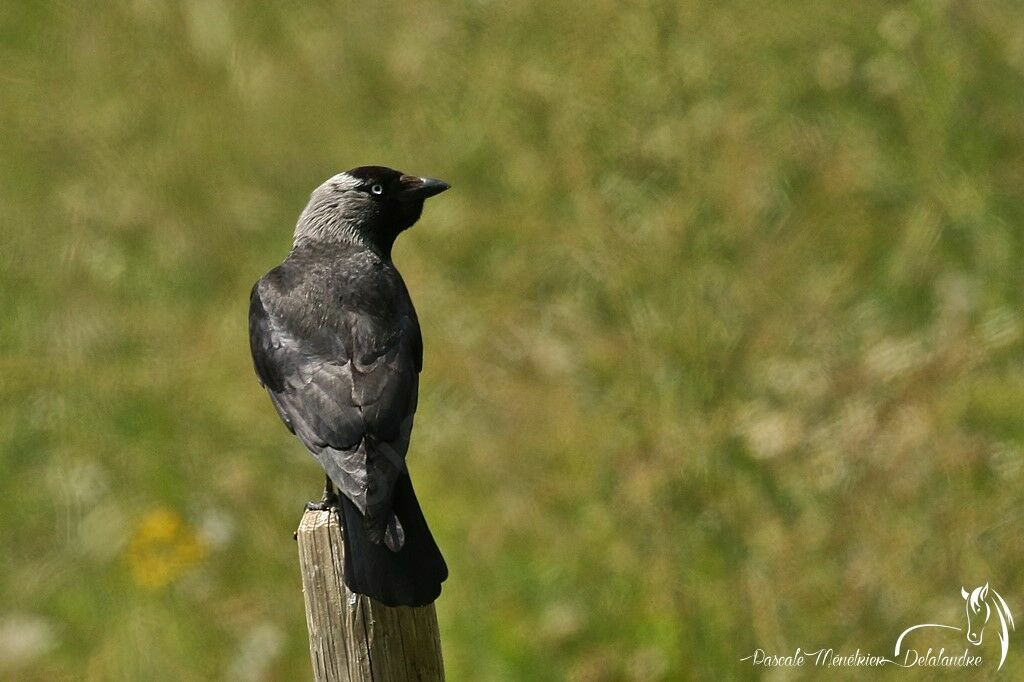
x=411, y=576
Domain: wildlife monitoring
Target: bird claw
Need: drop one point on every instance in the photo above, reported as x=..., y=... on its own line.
x=330, y=500
x=323, y=505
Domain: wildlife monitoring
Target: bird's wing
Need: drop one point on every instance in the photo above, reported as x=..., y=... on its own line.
x=349, y=395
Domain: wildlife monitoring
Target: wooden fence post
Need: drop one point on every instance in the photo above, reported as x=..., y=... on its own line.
x=353, y=638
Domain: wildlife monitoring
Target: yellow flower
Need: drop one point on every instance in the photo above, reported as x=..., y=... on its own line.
x=163, y=547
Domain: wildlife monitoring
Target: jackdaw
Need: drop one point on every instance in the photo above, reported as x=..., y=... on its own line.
x=336, y=343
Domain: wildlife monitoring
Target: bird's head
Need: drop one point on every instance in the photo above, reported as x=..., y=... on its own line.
x=371, y=205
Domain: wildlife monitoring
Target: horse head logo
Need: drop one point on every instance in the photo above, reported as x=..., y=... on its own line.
x=980, y=603
x=978, y=612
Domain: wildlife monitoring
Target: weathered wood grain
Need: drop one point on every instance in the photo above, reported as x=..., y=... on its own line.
x=351, y=637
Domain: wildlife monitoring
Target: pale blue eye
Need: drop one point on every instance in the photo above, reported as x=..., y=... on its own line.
x=377, y=189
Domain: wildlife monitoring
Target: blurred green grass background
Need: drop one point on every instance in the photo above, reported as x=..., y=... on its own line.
x=723, y=325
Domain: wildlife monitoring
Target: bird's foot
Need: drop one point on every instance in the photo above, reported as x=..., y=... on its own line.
x=329, y=502
x=326, y=504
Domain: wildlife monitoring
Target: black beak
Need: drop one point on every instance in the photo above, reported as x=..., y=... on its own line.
x=421, y=188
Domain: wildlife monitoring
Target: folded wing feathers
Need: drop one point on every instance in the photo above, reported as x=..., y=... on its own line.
x=354, y=411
